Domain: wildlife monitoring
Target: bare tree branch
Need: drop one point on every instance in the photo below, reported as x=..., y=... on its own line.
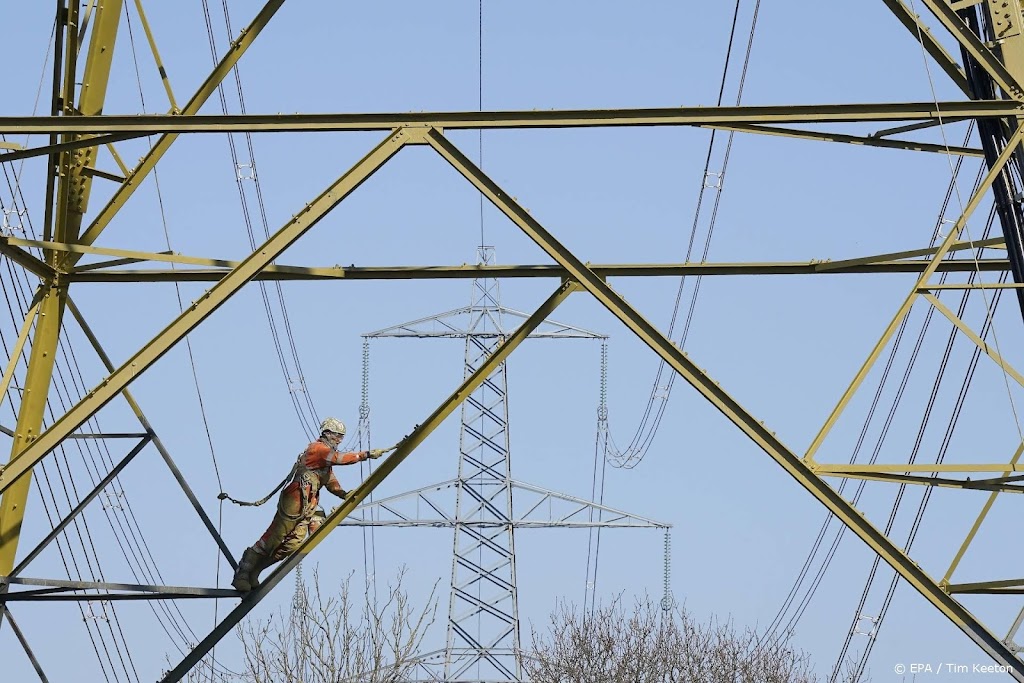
x=333, y=637
x=649, y=645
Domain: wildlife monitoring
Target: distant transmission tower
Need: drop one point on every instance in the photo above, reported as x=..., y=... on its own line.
x=483, y=638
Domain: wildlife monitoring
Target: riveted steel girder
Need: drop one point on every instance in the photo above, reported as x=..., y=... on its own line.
x=463, y=272
x=30, y=416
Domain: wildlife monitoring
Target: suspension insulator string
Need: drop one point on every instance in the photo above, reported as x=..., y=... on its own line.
x=666, y=598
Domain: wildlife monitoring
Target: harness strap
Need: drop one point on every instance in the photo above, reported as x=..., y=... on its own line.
x=224, y=496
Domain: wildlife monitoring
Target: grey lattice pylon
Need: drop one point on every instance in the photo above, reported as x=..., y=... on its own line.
x=483, y=607
x=482, y=639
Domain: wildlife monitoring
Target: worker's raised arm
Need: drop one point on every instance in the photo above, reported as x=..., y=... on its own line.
x=337, y=458
x=320, y=455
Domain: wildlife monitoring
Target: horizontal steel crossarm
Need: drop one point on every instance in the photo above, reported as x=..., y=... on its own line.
x=294, y=273
x=829, y=469
x=360, y=493
x=135, y=256
x=982, y=485
x=195, y=103
x=48, y=596
x=932, y=46
x=97, y=585
x=972, y=285
x=111, y=435
x=209, y=302
x=90, y=435
x=447, y=523
x=821, y=136
x=474, y=120
x=737, y=414
x=975, y=47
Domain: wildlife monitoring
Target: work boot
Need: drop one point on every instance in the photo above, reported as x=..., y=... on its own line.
x=243, y=580
x=261, y=563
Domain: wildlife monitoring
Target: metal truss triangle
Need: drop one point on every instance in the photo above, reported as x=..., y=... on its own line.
x=464, y=322
x=535, y=507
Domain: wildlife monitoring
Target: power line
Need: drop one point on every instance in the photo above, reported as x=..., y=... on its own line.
x=643, y=437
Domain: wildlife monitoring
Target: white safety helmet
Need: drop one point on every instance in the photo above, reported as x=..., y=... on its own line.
x=332, y=424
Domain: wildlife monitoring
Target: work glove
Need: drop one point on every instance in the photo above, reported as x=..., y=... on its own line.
x=377, y=452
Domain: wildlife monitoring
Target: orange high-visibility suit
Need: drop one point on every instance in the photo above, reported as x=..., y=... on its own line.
x=297, y=514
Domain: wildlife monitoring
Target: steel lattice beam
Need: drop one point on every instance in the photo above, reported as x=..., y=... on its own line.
x=572, y=118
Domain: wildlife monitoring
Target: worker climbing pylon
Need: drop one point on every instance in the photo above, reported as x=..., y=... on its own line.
x=297, y=512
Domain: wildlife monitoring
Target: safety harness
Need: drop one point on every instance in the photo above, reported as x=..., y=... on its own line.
x=297, y=473
x=291, y=474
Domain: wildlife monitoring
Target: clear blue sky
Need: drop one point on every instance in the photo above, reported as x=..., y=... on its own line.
x=785, y=347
